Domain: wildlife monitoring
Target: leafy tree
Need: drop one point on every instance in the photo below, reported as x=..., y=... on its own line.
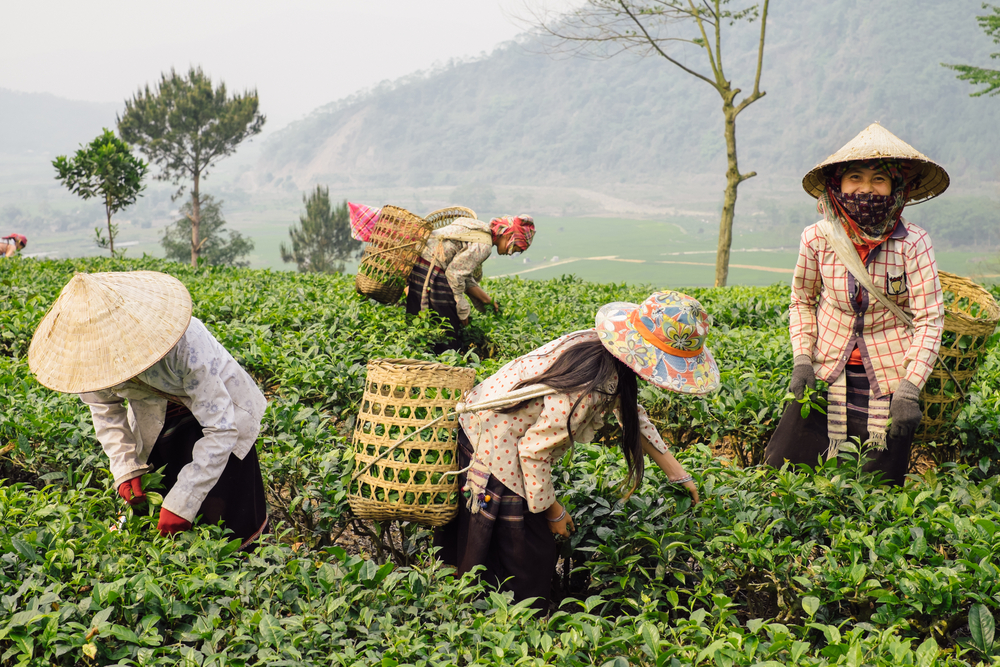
x=990, y=23
x=106, y=169
x=322, y=242
x=605, y=28
x=216, y=245
x=185, y=126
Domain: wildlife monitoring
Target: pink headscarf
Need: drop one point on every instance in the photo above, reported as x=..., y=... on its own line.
x=521, y=228
x=17, y=238
x=363, y=220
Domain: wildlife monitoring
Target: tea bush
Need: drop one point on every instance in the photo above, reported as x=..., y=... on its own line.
x=773, y=568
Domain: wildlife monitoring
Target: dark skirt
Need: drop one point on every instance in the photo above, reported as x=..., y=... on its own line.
x=237, y=499
x=441, y=300
x=806, y=440
x=516, y=546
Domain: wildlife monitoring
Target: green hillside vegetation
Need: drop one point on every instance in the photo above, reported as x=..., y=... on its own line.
x=517, y=116
x=773, y=568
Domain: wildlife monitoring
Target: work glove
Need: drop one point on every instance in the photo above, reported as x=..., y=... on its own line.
x=170, y=523
x=131, y=491
x=802, y=375
x=905, y=410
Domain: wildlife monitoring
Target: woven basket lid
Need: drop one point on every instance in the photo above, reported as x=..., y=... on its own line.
x=106, y=328
x=877, y=142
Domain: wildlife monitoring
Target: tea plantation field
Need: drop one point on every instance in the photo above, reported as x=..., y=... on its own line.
x=773, y=568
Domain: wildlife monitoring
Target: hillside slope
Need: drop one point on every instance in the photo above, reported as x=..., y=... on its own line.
x=518, y=116
x=44, y=123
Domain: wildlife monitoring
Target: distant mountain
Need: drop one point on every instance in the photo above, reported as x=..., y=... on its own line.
x=43, y=123
x=520, y=117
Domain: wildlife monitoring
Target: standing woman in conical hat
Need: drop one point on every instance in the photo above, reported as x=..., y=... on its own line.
x=875, y=361
x=444, y=272
x=117, y=337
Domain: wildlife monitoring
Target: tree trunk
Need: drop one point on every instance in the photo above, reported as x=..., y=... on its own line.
x=733, y=180
x=195, y=219
x=111, y=236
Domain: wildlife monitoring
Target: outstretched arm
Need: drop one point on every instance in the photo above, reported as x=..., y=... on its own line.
x=670, y=467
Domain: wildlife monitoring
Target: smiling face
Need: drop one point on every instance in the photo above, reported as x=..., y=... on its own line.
x=859, y=179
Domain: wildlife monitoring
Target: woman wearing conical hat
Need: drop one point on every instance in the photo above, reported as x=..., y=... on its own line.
x=861, y=343
x=129, y=337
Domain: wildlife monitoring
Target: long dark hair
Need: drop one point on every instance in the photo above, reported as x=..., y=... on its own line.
x=587, y=367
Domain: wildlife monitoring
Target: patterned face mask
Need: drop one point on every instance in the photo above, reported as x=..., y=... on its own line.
x=870, y=217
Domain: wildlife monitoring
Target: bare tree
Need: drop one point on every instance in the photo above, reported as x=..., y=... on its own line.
x=605, y=28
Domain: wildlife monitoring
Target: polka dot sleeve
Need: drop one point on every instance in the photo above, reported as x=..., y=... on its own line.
x=536, y=451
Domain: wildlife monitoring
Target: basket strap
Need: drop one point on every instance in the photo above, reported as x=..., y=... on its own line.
x=467, y=236
x=510, y=398
x=844, y=249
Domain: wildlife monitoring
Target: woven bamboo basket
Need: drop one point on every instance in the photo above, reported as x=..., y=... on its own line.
x=443, y=216
x=397, y=240
x=409, y=481
x=970, y=318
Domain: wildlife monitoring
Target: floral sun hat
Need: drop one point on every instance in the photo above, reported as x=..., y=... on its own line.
x=662, y=340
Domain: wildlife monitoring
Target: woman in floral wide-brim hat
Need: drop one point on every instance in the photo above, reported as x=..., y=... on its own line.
x=512, y=514
x=162, y=392
x=875, y=349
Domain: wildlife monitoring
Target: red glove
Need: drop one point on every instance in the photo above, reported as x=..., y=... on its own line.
x=131, y=491
x=170, y=523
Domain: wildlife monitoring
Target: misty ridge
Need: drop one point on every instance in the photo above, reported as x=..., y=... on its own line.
x=623, y=137
x=519, y=116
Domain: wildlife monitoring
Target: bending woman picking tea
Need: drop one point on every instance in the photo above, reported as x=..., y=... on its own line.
x=162, y=392
x=873, y=332
x=512, y=515
x=444, y=273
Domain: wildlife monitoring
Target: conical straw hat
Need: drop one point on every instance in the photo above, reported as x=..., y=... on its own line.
x=877, y=142
x=106, y=328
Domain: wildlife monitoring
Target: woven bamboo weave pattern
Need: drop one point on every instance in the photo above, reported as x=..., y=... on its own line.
x=443, y=216
x=108, y=327
x=401, y=396
x=397, y=240
x=971, y=315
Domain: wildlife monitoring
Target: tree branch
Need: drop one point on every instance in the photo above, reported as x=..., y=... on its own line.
x=655, y=45
x=719, y=80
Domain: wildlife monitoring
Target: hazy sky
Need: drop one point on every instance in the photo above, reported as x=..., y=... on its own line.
x=299, y=54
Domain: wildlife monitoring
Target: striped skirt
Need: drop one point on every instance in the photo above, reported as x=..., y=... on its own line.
x=441, y=298
x=799, y=440
x=516, y=546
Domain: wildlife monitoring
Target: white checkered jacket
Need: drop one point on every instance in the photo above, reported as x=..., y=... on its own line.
x=824, y=325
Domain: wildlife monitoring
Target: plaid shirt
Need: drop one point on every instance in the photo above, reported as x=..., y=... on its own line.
x=827, y=322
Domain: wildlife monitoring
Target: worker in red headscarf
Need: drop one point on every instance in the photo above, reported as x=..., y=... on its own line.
x=10, y=244
x=443, y=274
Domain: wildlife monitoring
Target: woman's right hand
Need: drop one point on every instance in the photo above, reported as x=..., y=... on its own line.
x=802, y=376
x=560, y=526
x=692, y=488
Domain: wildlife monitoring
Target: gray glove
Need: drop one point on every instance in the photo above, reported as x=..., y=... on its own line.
x=802, y=375
x=905, y=410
